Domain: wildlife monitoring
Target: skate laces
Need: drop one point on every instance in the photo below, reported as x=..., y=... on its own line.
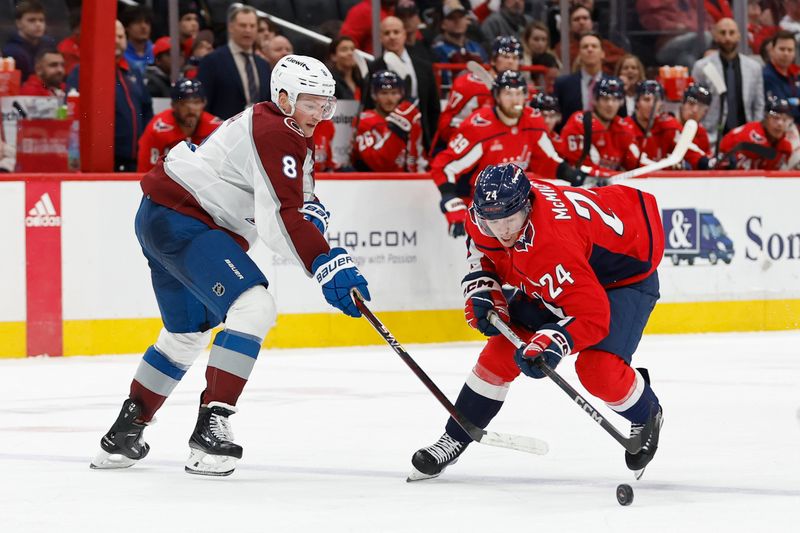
x=445, y=449
x=220, y=427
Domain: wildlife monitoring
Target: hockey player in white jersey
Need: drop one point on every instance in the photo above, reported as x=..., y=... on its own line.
x=203, y=207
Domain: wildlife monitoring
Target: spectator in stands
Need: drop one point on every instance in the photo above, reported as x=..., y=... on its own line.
x=675, y=27
x=781, y=73
x=133, y=108
x=536, y=43
x=186, y=120
x=157, y=76
x=452, y=45
x=791, y=20
x=277, y=47
x=408, y=12
x=546, y=82
x=510, y=19
x=203, y=45
x=70, y=46
x=266, y=31
x=232, y=76
x=758, y=33
x=48, y=79
x=630, y=70
x=342, y=64
x=188, y=27
x=574, y=91
x=744, y=98
x=138, y=22
x=358, y=22
x=30, y=38
x=580, y=23
x=420, y=82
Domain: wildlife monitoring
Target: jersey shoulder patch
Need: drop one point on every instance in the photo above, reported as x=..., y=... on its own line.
x=294, y=126
x=161, y=126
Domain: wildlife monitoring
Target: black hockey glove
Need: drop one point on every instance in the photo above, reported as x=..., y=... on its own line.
x=570, y=174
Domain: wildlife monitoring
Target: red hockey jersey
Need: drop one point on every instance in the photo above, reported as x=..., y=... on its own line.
x=323, y=151
x=468, y=94
x=662, y=137
x=613, y=148
x=162, y=133
x=753, y=132
x=576, y=245
x=483, y=139
x=380, y=150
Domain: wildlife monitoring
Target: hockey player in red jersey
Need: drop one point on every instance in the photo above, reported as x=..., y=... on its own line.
x=613, y=138
x=323, y=147
x=696, y=101
x=655, y=139
x=389, y=137
x=509, y=132
x=203, y=207
x=548, y=106
x=583, y=270
x=185, y=121
x=769, y=132
x=469, y=92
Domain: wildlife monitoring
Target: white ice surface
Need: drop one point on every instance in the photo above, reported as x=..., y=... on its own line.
x=328, y=435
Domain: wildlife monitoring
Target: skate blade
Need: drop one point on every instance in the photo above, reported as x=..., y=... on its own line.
x=109, y=461
x=204, y=464
x=416, y=475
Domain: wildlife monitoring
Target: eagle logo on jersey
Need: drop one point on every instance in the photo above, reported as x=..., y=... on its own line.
x=479, y=121
x=525, y=240
x=290, y=122
x=756, y=137
x=161, y=126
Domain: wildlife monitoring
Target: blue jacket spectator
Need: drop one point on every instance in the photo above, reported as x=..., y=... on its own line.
x=133, y=108
x=452, y=45
x=30, y=39
x=138, y=23
x=781, y=74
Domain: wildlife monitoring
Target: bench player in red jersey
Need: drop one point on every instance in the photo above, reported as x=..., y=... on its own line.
x=583, y=268
x=186, y=120
x=769, y=132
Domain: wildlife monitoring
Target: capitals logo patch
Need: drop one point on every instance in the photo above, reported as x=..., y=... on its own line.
x=525, y=240
x=756, y=137
x=479, y=121
x=161, y=126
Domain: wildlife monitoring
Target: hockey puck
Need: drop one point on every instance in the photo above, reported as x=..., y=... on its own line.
x=624, y=494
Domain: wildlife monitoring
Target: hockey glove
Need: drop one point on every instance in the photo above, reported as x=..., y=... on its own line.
x=455, y=211
x=316, y=213
x=399, y=125
x=337, y=274
x=570, y=174
x=551, y=343
x=483, y=293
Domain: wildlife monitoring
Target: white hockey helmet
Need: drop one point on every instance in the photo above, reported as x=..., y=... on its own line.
x=297, y=75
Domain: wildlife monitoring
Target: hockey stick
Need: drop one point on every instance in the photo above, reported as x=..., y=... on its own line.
x=764, y=152
x=631, y=444
x=501, y=440
x=677, y=155
x=479, y=72
x=716, y=80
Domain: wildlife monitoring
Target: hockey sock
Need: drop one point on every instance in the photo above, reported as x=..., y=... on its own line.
x=230, y=362
x=638, y=402
x=155, y=379
x=479, y=401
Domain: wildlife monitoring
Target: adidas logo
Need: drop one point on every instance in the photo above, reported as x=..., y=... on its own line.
x=43, y=213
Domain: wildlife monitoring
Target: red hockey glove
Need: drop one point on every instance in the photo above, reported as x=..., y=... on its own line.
x=483, y=293
x=551, y=343
x=455, y=211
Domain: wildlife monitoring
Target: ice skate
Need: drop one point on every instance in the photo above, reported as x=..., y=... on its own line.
x=213, y=452
x=123, y=445
x=428, y=463
x=638, y=461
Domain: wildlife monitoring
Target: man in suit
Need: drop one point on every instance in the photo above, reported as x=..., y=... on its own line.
x=420, y=83
x=574, y=91
x=232, y=75
x=744, y=99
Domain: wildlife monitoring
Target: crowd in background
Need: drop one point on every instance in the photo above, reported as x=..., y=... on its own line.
x=227, y=50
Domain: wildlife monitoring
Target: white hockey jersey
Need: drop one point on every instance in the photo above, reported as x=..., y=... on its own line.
x=249, y=179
